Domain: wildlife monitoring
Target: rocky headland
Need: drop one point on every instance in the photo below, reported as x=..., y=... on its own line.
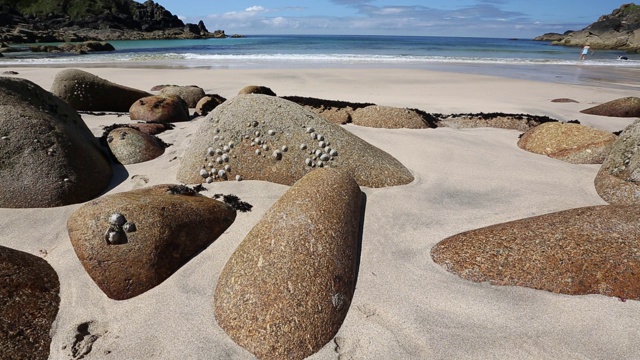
x=619, y=30
x=77, y=21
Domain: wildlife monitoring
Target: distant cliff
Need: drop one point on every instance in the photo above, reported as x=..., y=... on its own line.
x=620, y=30
x=23, y=21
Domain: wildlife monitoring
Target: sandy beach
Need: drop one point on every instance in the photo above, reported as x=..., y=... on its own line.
x=405, y=306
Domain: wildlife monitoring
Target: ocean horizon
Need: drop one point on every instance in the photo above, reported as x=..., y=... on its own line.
x=519, y=58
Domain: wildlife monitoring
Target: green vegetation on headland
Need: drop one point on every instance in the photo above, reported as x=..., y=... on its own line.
x=619, y=30
x=28, y=21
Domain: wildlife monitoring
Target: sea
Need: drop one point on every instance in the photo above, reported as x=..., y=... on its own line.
x=515, y=58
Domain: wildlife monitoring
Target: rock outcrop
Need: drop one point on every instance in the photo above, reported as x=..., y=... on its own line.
x=335, y=111
x=256, y=89
x=260, y=137
x=85, y=91
x=520, y=122
x=29, y=302
x=132, y=241
x=286, y=290
x=591, y=250
x=619, y=30
x=623, y=107
x=618, y=181
x=75, y=21
x=190, y=94
x=573, y=143
x=48, y=155
x=207, y=104
x=131, y=146
x=160, y=108
x=389, y=118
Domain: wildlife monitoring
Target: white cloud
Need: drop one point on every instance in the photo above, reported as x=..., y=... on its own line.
x=484, y=19
x=255, y=8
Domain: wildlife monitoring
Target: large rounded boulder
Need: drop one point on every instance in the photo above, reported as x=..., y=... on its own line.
x=286, y=290
x=623, y=107
x=618, y=180
x=131, y=146
x=86, y=91
x=132, y=241
x=160, y=108
x=29, y=302
x=260, y=137
x=48, y=155
x=573, y=143
x=389, y=117
x=590, y=250
x=190, y=94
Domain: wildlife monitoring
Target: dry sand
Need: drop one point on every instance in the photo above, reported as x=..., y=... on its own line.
x=405, y=306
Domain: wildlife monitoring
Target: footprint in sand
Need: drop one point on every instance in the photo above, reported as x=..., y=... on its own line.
x=86, y=335
x=138, y=181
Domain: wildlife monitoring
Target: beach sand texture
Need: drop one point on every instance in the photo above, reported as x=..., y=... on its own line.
x=405, y=306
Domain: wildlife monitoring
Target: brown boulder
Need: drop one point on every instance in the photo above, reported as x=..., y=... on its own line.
x=618, y=178
x=207, y=104
x=151, y=128
x=29, y=302
x=286, y=290
x=624, y=107
x=48, y=155
x=131, y=146
x=520, y=122
x=190, y=94
x=160, y=108
x=590, y=250
x=335, y=111
x=85, y=91
x=256, y=89
x=573, y=143
x=389, y=118
x=259, y=137
x=132, y=241
x=564, y=100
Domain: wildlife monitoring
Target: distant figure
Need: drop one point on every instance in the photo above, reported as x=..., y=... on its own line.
x=585, y=51
x=623, y=58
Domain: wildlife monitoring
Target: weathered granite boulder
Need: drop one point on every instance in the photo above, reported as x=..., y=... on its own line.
x=520, y=122
x=131, y=146
x=261, y=137
x=573, y=143
x=208, y=103
x=160, y=108
x=286, y=290
x=590, y=250
x=132, y=241
x=618, y=180
x=151, y=128
x=335, y=111
x=624, y=107
x=29, y=302
x=190, y=94
x=48, y=156
x=564, y=100
x=85, y=91
x=256, y=89
x=81, y=48
x=389, y=117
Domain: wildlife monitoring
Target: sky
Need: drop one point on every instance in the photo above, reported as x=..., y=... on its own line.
x=469, y=18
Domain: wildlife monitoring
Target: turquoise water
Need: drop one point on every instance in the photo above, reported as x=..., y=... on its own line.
x=292, y=50
x=516, y=58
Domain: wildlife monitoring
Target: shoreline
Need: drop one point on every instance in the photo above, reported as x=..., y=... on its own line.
x=584, y=74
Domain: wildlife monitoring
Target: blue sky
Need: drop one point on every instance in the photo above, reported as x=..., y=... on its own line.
x=483, y=18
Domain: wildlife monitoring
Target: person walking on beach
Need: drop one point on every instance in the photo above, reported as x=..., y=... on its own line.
x=585, y=51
